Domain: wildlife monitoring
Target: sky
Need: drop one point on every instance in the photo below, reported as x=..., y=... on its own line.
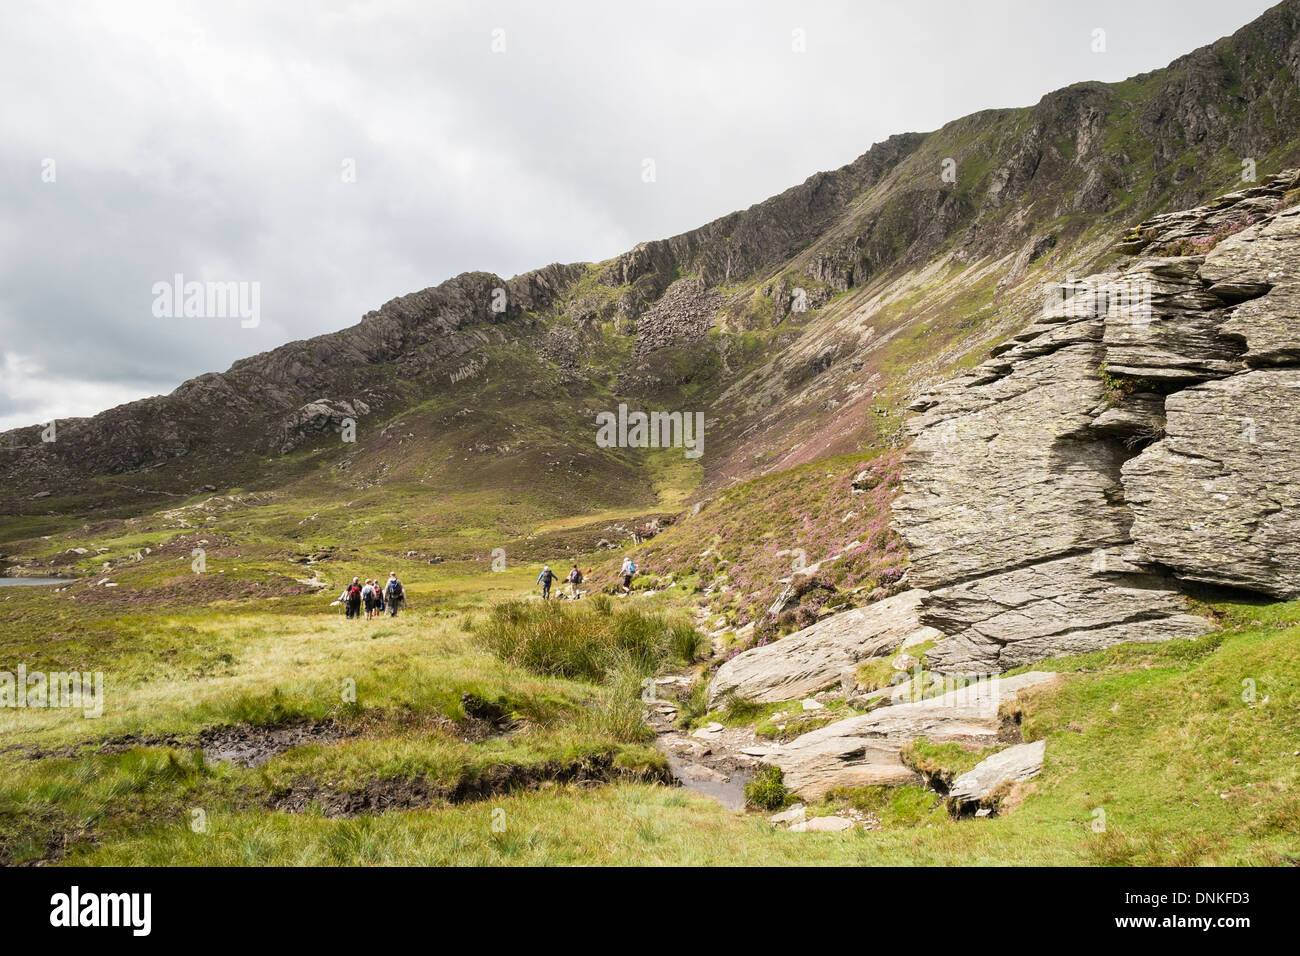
x=329, y=157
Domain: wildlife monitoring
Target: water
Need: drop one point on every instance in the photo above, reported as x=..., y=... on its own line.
x=31, y=582
x=730, y=792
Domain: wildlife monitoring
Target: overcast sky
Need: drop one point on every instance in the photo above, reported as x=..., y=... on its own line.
x=213, y=140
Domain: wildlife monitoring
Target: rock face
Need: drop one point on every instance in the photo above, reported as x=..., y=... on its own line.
x=977, y=786
x=812, y=659
x=1039, y=524
x=1217, y=499
x=864, y=751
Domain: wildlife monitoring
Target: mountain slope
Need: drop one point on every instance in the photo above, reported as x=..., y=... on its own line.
x=904, y=277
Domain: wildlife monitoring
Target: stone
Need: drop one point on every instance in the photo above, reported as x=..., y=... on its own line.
x=1261, y=264
x=1139, y=415
x=977, y=785
x=810, y=704
x=1014, y=513
x=1069, y=605
x=813, y=659
x=865, y=750
x=1166, y=325
x=709, y=730
x=794, y=814
x=1217, y=500
x=696, y=771
x=831, y=824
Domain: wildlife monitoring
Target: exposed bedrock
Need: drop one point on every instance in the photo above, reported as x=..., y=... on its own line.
x=1144, y=432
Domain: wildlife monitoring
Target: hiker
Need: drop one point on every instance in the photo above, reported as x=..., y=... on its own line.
x=394, y=594
x=379, y=599
x=574, y=579
x=629, y=569
x=545, y=579
x=352, y=598
x=368, y=596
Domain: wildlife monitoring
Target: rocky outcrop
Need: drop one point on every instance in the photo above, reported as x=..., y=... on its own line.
x=982, y=784
x=227, y=421
x=1216, y=499
x=814, y=658
x=1142, y=433
x=865, y=750
x=318, y=418
x=1013, y=510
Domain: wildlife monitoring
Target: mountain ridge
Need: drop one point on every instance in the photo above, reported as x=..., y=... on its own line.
x=1037, y=191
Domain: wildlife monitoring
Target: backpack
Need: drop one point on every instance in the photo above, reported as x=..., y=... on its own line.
x=575, y=576
x=631, y=567
x=395, y=590
x=354, y=592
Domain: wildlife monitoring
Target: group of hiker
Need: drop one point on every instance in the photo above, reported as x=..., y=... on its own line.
x=372, y=597
x=575, y=577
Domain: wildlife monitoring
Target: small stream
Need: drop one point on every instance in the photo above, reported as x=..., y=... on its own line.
x=728, y=788
x=32, y=582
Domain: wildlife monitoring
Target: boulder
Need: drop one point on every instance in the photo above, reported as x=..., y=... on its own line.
x=831, y=824
x=317, y=418
x=813, y=659
x=865, y=750
x=977, y=786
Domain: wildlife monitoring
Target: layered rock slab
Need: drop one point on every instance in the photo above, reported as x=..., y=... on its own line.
x=1217, y=500
x=865, y=750
x=981, y=783
x=1013, y=509
x=812, y=659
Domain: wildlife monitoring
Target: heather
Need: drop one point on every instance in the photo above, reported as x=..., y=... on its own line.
x=807, y=528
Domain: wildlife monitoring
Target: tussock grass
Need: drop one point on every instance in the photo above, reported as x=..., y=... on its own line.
x=587, y=641
x=767, y=790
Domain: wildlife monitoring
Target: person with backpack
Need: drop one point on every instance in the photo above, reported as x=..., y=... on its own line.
x=546, y=579
x=629, y=569
x=379, y=599
x=394, y=594
x=352, y=597
x=574, y=579
x=368, y=596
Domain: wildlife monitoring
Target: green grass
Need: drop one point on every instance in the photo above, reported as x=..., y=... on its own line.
x=1156, y=736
